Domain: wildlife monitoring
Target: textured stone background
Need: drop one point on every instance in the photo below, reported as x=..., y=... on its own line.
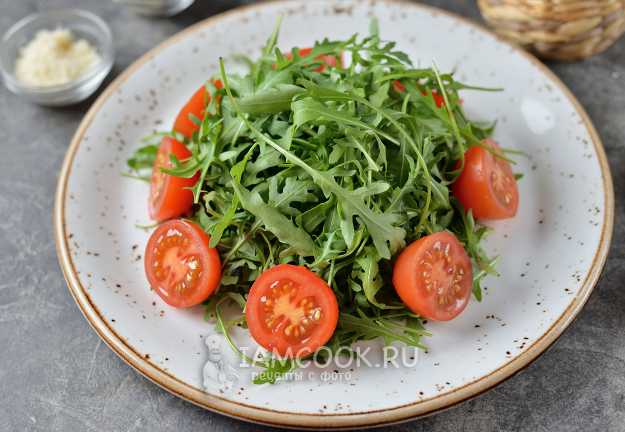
x=56, y=374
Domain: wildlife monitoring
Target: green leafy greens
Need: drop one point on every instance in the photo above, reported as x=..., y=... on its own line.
x=334, y=169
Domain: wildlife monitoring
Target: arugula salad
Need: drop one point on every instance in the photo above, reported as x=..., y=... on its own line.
x=330, y=192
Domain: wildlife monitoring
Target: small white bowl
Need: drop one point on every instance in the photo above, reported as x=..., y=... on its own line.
x=84, y=25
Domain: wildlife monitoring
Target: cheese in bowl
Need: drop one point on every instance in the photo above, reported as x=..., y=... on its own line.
x=55, y=57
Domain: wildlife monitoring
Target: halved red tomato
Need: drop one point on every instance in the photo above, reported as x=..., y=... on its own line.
x=439, y=100
x=291, y=311
x=170, y=196
x=433, y=276
x=327, y=60
x=196, y=106
x=180, y=266
x=487, y=185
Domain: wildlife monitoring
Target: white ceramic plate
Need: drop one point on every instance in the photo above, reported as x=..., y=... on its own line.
x=552, y=252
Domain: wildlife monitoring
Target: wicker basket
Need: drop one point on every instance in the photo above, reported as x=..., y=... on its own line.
x=558, y=29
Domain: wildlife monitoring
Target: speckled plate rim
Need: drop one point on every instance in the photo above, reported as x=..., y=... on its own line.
x=323, y=421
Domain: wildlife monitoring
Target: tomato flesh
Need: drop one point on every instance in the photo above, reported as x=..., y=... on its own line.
x=487, y=185
x=433, y=276
x=195, y=106
x=180, y=266
x=326, y=60
x=290, y=311
x=170, y=196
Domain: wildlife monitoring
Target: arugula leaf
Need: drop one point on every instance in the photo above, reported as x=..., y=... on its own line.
x=360, y=327
x=294, y=190
x=270, y=101
x=275, y=369
x=218, y=229
x=143, y=157
x=309, y=109
x=275, y=221
x=369, y=274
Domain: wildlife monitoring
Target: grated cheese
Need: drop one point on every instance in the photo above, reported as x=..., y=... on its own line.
x=54, y=57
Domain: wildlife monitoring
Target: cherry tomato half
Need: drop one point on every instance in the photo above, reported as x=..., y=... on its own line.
x=439, y=100
x=291, y=311
x=487, y=185
x=180, y=266
x=326, y=60
x=433, y=276
x=196, y=106
x=170, y=196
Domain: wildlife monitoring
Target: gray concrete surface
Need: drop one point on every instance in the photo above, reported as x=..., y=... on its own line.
x=56, y=374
